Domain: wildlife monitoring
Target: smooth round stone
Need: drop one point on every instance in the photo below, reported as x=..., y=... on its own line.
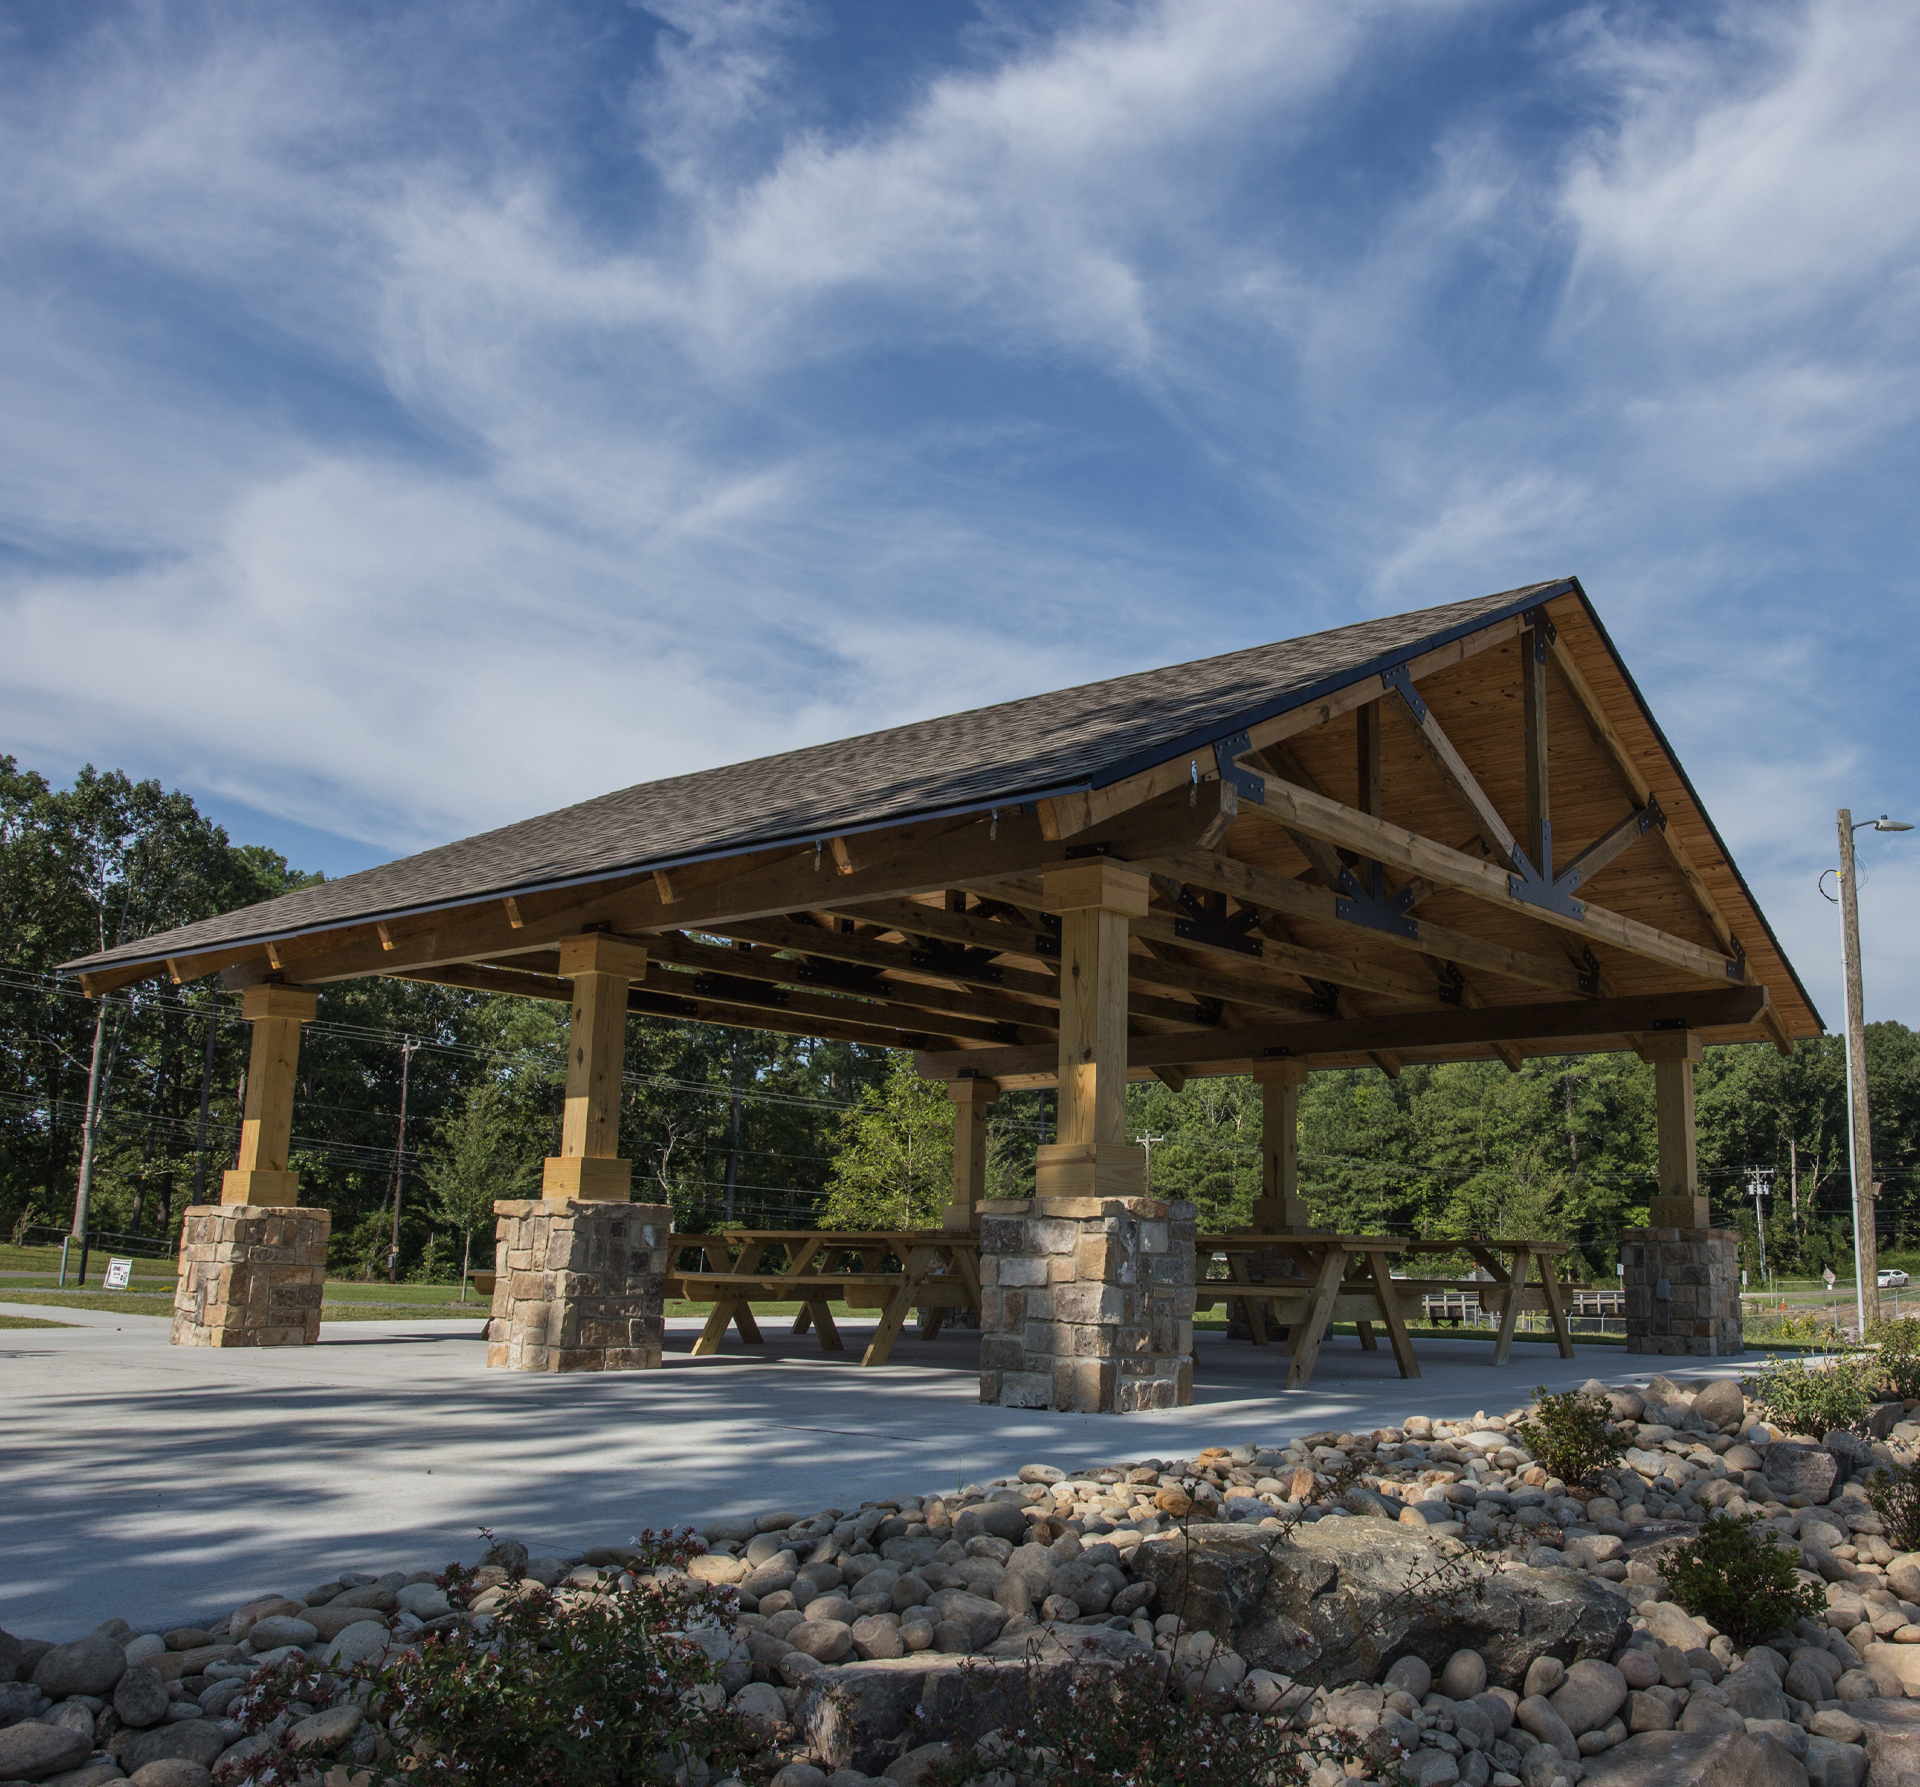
x=1464, y=1676
x=171, y=1771
x=1589, y=1697
x=87, y=1666
x=1638, y=1669
x=278, y=1630
x=140, y=1697
x=1411, y=1676
x=828, y=1640
x=877, y=1639
x=1544, y=1675
x=145, y=1647
x=360, y=1643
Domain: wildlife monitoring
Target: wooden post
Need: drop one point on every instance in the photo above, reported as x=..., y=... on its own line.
x=266, y=1127
x=1090, y=1157
x=972, y=1099
x=1278, y=1206
x=1679, y=1204
x=588, y=1165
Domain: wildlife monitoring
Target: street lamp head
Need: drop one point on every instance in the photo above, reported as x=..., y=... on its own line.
x=1883, y=823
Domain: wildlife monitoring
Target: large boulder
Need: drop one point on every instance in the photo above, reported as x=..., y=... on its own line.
x=1695, y=1759
x=197, y=1740
x=32, y=1751
x=87, y=1666
x=860, y=1715
x=1793, y=1469
x=1721, y=1403
x=1358, y=1594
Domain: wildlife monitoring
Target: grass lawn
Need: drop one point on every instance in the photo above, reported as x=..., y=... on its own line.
x=28, y=1321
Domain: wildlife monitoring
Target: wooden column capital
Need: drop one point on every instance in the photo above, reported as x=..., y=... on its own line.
x=274, y=1001
x=597, y=952
x=974, y=1092
x=1279, y=1073
x=1096, y=883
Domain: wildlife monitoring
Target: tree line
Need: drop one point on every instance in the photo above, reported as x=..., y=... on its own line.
x=419, y=1105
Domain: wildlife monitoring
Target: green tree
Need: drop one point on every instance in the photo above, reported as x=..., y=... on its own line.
x=478, y=1158
x=893, y=1167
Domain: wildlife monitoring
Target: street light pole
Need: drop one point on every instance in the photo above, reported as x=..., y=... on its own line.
x=1866, y=1237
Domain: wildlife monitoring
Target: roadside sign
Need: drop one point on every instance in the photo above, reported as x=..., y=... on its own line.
x=119, y=1273
x=1826, y=1272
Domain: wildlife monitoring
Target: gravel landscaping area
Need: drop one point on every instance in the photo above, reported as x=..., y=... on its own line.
x=1323, y=1580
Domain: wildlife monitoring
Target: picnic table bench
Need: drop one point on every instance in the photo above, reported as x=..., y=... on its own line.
x=1346, y=1278
x=935, y=1269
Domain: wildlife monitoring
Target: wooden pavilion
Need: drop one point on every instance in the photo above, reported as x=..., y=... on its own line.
x=1452, y=834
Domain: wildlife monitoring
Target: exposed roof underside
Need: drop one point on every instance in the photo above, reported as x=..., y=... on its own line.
x=962, y=813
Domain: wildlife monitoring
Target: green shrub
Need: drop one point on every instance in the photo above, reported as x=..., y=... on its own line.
x=1571, y=1434
x=1734, y=1574
x=1130, y=1726
x=594, y=1687
x=1816, y=1399
x=1899, y=1357
x=1894, y=1491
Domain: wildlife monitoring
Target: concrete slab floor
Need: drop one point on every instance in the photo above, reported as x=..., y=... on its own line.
x=168, y=1484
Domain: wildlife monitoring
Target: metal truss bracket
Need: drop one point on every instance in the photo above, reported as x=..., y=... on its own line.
x=1532, y=888
x=1360, y=905
x=1246, y=783
x=1589, y=981
x=1399, y=678
x=1737, y=961
x=1206, y=921
x=845, y=977
x=1543, y=630
x=1453, y=985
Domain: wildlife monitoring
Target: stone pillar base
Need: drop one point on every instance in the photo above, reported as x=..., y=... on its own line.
x=1699, y=1269
x=580, y=1285
x=1087, y=1303
x=250, y=1275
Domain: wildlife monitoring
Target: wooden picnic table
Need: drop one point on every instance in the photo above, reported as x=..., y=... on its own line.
x=1344, y=1278
x=936, y=1269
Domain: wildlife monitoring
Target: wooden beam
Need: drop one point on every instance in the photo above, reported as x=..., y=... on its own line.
x=1533, y=683
x=1260, y=887
x=925, y=857
x=99, y=982
x=1603, y=850
x=1289, y=806
x=1720, y=1008
x=1277, y=956
x=1367, y=758
x=1460, y=781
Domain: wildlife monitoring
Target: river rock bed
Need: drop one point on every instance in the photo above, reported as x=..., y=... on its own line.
x=1312, y=1578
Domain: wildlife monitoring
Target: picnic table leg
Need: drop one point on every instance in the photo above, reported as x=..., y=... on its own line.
x=804, y=1320
x=1396, y=1323
x=715, y=1331
x=1510, y=1316
x=743, y=1320
x=1556, y=1311
x=930, y=1323
x=1365, y=1330
x=1326, y=1287
x=830, y=1341
x=892, y=1320
x=1256, y=1320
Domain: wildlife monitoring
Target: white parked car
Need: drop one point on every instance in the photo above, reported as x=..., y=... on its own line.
x=1892, y=1276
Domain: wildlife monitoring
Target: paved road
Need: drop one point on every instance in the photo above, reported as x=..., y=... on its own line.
x=167, y=1484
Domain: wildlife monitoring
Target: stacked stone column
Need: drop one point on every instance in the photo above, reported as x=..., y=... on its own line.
x=580, y=1272
x=1681, y=1276
x=1087, y=1287
x=254, y=1266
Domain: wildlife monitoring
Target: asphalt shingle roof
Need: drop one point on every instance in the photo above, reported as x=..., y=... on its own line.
x=1014, y=751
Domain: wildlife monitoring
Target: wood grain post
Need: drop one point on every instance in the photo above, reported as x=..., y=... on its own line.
x=1679, y=1204
x=266, y=1125
x=588, y=1166
x=1094, y=899
x=972, y=1100
x=1278, y=1206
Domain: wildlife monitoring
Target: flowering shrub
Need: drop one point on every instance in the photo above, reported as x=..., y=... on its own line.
x=599, y=1686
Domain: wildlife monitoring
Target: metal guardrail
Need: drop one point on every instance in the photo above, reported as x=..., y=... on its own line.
x=148, y=1247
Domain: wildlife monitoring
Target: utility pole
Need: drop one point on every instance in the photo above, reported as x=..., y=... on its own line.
x=1866, y=1239
x=206, y=1096
x=733, y=1127
x=407, y=1046
x=1757, y=1184
x=1147, y=1142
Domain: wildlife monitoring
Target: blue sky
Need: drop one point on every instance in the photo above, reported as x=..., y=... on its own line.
x=414, y=416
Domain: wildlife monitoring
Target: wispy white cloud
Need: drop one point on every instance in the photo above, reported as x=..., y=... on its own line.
x=533, y=407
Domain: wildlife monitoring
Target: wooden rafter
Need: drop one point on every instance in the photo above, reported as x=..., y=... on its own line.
x=1261, y=887
x=1716, y=1008
x=1289, y=806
